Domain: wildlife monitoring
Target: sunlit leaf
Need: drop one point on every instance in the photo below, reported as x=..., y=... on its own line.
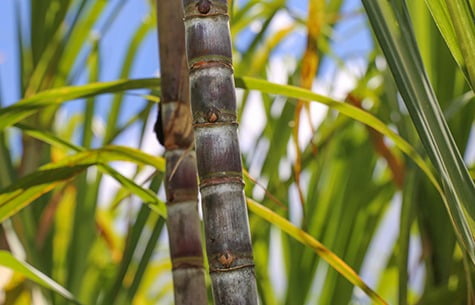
x=316, y=246
x=26, y=107
x=28, y=188
x=391, y=24
x=346, y=109
x=457, y=27
x=9, y=261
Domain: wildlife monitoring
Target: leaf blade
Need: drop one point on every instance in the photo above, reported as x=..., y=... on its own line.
x=306, y=239
x=28, y=106
x=11, y=262
x=26, y=189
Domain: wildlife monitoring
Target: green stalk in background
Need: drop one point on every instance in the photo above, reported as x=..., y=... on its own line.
x=174, y=130
x=213, y=99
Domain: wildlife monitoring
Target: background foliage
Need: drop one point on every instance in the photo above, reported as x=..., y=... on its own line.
x=375, y=176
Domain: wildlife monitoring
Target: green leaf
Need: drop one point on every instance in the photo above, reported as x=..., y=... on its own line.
x=28, y=106
x=346, y=109
x=458, y=30
x=440, y=14
x=14, y=113
x=306, y=239
x=391, y=24
x=9, y=261
x=25, y=190
x=464, y=25
x=114, y=152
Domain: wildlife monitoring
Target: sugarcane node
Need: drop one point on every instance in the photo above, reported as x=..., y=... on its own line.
x=187, y=262
x=226, y=259
x=171, y=197
x=206, y=182
x=177, y=195
x=212, y=115
x=173, y=126
x=205, y=64
x=204, y=6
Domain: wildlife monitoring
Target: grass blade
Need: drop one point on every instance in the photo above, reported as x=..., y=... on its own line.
x=346, y=109
x=463, y=21
x=145, y=258
x=9, y=261
x=116, y=107
x=28, y=106
x=28, y=188
x=14, y=113
x=391, y=24
x=306, y=239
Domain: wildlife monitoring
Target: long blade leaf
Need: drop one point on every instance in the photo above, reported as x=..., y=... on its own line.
x=40, y=101
x=26, y=107
x=9, y=261
x=301, y=236
x=391, y=24
x=28, y=188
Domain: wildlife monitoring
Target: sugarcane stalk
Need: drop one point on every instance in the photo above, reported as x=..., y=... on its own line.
x=213, y=102
x=174, y=130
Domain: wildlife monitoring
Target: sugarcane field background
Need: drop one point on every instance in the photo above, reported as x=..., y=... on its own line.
x=350, y=179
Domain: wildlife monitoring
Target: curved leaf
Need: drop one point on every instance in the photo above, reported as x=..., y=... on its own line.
x=123, y=153
x=9, y=261
x=32, y=186
x=16, y=112
x=391, y=24
x=26, y=107
x=346, y=109
x=303, y=237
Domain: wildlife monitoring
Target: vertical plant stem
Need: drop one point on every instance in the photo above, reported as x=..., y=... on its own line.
x=174, y=128
x=213, y=101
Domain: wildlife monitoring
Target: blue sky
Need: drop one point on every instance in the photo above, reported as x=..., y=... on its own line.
x=352, y=38
x=112, y=47
x=113, y=43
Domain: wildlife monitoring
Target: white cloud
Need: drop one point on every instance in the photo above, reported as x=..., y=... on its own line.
x=256, y=26
x=337, y=84
x=280, y=21
x=279, y=69
x=253, y=121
